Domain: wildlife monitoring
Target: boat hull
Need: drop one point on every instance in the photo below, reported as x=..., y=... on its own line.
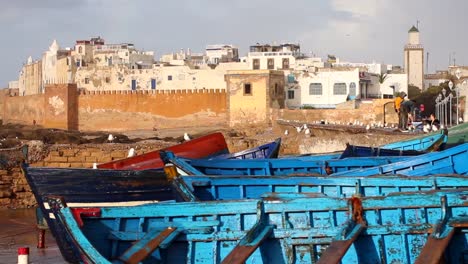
x=202, y=147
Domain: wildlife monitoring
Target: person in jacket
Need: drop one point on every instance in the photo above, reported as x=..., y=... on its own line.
x=397, y=105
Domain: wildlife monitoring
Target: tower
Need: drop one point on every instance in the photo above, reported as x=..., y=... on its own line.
x=414, y=59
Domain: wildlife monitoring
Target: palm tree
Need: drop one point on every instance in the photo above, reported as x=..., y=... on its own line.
x=382, y=77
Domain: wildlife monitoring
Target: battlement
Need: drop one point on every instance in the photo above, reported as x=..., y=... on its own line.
x=141, y=92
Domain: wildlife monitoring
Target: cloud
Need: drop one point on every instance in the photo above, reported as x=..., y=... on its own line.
x=357, y=9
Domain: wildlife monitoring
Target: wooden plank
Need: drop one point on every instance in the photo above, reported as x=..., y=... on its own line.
x=248, y=244
x=338, y=248
x=150, y=242
x=434, y=248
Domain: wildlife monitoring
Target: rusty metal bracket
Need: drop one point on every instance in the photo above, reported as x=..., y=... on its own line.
x=346, y=237
x=438, y=241
x=252, y=240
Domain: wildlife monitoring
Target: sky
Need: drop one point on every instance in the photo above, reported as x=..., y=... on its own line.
x=356, y=31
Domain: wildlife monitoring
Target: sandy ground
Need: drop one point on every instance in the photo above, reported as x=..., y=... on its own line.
x=18, y=229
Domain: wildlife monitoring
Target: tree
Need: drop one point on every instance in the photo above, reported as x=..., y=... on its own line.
x=382, y=77
x=413, y=91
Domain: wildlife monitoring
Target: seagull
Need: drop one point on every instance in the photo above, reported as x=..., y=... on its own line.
x=286, y=132
x=367, y=127
x=186, y=137
x=426, y=128
x=434, y=128
x=298, y=129
x=307, y=131
x=304, y=126
x=110, y=138
x=95, y=166
x=131, y=152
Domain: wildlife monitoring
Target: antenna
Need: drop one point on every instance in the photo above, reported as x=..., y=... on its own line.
x=417, y=24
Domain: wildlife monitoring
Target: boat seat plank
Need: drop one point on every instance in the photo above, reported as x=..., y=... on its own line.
x=186, y=227
x=339, y=246
x=434, y=248
x=249, y=243
x=145, y=246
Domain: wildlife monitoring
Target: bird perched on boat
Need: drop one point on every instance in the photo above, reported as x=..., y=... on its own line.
x=298, y=129
x=304, y=126
x=286, y=132
x=368, y=127
x=95, y=166
x=186, y=137
x=307, y=131
x=131, y=152
x=110, y=138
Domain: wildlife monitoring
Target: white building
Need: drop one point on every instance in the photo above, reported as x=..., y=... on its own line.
x=327, y=87
x=221, y=53
x=273, y=57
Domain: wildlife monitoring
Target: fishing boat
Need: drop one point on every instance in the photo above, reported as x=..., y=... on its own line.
x=358, y=151
x=449, y=161
x=364, y=151
x=271, y=166
x=429, y=142
x=279, y=228
x=203, y=147
x=267, y=151
x=88, y=187
x=206, y=188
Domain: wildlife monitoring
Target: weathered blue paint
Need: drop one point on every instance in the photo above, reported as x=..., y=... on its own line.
x=450, y=161
x=397, y=227
x=266, y=151
x=207, y=188
x=425, y=143
x=363, y=151
x=272, y=166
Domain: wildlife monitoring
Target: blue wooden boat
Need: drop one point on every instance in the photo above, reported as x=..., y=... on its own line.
x=266, y=151
x=452, y=161
x=206, y=188
x=88, y=187
x=429, y=142
x=353, y=151
x=280, y=228
x=271, y=166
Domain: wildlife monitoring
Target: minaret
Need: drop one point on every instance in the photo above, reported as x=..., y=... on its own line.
x=414, y=59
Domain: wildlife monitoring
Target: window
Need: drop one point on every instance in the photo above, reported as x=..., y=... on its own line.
x=169, y=77
x=256, y=64
x=285, y=63
x=315, y=89
x=271, y=64
x=276, y=89
x=80, y=49
x=352, y=89
x=86, y=80
x=247, y=89
x=291, y=78
x=107, y=80
x=339, y=88
x=291, y=94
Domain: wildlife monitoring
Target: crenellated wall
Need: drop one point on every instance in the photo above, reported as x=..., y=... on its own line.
x=131, y=110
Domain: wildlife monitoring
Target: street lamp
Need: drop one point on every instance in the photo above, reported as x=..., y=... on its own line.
x=444, y=106
x=458, y=75
x=449, y=99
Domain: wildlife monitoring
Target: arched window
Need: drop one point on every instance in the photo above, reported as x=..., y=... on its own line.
x=352, y=89
x=80, y=49
x=339, y=89
x=315, y=89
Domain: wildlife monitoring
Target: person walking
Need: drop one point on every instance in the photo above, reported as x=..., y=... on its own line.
x=397, y=105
